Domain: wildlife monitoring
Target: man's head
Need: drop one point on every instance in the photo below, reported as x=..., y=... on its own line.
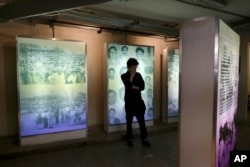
x=139, y=53
x=132, y=65
x=132, y=62
x=112, y=52
x=111, y=73
x=125, y=50
x=112, y=113
x=112, y=97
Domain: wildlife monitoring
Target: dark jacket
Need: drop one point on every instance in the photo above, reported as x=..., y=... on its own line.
x=133, y=96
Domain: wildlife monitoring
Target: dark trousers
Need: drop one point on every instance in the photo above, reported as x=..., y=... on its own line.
x=140, y=119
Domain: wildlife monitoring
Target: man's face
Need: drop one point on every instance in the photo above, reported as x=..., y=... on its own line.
x=112, y=53
x=147, y=80
x=112, y=98
x=111, y=114
x=150, y=93
x=132, y=69
x=111, y=74
x=139, y=54
x=125, y=51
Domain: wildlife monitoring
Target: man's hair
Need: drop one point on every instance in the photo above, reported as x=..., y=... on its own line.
x=112, y=47
x=111, y=69
x=132, y=62
x=124, y=47
x=139, y=49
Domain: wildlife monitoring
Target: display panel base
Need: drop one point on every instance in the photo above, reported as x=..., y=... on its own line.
x=53, y=137
x=173, y=119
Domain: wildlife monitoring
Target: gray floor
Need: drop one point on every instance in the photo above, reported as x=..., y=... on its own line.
x=113, y=153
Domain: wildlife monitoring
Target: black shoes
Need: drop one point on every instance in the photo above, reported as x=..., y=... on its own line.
x=130, y=143
x=146, y=143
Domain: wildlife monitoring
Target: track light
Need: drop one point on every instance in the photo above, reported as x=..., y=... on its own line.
x=171, y=39
x=206, y=3
x=99, y=31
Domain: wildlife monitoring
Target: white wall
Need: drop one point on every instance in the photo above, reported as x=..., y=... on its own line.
x=95, y=59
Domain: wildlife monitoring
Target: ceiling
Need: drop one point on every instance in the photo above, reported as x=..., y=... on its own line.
x=147, y=17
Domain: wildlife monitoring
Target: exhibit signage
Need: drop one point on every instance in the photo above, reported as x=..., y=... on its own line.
x=117, y=56
x=173, y=82
x=52, y=83
x=227, y=93
x=209, y=75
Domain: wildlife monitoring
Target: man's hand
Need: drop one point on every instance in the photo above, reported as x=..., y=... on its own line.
x=131, y=76
x=135, y=87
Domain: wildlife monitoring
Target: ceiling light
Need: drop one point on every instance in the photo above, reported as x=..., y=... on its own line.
x=205, y=3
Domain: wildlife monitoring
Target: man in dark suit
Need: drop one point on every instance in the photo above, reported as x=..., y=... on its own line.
x=134, y=104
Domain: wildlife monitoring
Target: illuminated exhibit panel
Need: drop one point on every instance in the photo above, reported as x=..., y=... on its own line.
x=118, y=55
x=227, y=95
x=52, y=86
x=209, y=92
x=173, y=82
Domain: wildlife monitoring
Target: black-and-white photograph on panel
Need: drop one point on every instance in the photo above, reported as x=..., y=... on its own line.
x=173, y=82
x=52, y=86
x=170, y=85
x=227, y=94
x=118, y=55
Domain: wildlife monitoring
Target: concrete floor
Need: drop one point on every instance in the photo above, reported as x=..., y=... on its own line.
x=112, y=153
x=163, y=153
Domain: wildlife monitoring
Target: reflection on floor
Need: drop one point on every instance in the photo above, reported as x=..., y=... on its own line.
x=111, y=153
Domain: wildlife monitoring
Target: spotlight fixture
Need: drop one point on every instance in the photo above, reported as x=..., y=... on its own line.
x=99, y=31
x=171, y=39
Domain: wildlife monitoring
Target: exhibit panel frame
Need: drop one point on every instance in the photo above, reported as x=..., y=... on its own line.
x=117, y=55
x=209, y=92
x=170, y=85
x=52, y=89
x=227, y=93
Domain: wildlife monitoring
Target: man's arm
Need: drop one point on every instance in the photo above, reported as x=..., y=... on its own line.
x=141, y=82
x=126, y=81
